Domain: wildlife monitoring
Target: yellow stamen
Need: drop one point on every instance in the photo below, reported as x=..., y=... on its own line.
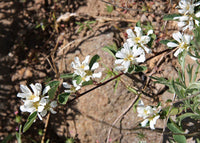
x=137, y=39
x=32, y=97
x=82, y=67
x=129, y=58
x=36, y=104
x=183, y=45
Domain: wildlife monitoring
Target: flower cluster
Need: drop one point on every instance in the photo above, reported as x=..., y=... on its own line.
x=133, y=51
x=183, y=42
x=148, y=113
x=34, y=101
x=187, y=20
x=84, y=71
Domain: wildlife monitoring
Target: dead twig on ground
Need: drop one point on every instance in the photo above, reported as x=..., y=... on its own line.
x=120, y=116
x=166, y=120
x=157, y=65
x=131, y=9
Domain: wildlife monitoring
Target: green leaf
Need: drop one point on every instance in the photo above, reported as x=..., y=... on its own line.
x=186, y=115
x=79, y=23
x=175, y=129
x=177, y=92
x=174, y=111
x=111, y=49
x=109, y=8
x=63, y=98
x=189, y=71
x=164, y=42
x=78, y=79
x=30, y=121
x=80, y=28
x=48, y=141
x=170, y=16
x=138, y=24
x=116, y=84
x=18, y=119
x=90, y=82
x=53, y=83
x=140, y=68
x=196, y=73
x=136, y=68
x=67, y=76
x=90, y=22
x=54, y=86
x=94, y=59
x=52, y=92
x=132, y=90
x=135, y=105
x=70, y=140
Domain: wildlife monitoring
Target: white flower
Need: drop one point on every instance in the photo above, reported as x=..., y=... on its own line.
x=128, y=56
x=34, y=101
x=84, y=70
x=72, y=88
x=80, y=67
x=30, y=106
x=138, y=39
x=187, y=6
x=187, y=21
x=183, y=42
x=48, y=106
x=35, y=96
x=152, y=121
x=148, y=113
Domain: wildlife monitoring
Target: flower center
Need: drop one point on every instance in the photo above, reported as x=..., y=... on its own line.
x=73, y=89
x=32, y=97
x=183, y=45
x=145, y=111
x=82, y=67
x=188, y=7
x=137, y=39
x=83, y=78
x=36, y=104
x=129, y=58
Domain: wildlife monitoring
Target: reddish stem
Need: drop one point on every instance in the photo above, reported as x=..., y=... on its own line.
x=99, y=85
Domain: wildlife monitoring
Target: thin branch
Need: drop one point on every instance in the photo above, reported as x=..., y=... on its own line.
x=99, y=85
x=119, y=117
x=166, y=120
x=45, y=128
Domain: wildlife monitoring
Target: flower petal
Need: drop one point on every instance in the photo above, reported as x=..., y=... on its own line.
x=178, y=52
x=143, y=124
x=97, y=75
x=46, y=89
x=138, y=31
x=36, y=92
x=53, y=104
x=66, y=85
x=43, y=113
x=86, y=61
x=95, y=66
x=172, y=44
x=130, y=33
x=25, y=89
